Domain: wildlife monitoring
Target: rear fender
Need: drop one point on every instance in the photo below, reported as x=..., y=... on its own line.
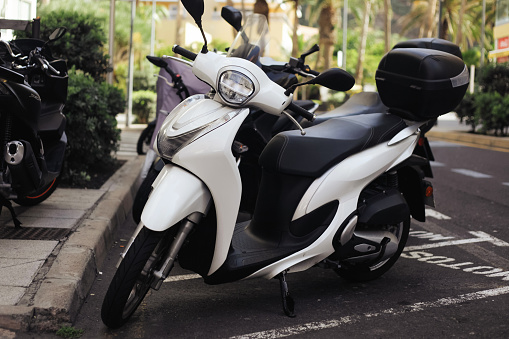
x=412, y=186
x=176, y=194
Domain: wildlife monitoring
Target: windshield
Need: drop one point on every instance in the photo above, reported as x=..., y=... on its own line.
x=251, y=40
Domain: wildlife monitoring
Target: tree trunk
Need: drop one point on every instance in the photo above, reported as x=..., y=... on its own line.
x=387, y=24
x=295, y=37
x=326, y=32
x=459, y=35
x=364, y=37
x=432, y=10
x=178, y=25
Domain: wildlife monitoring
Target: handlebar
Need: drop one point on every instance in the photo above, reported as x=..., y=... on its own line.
x=301, y=111
x=184, y=52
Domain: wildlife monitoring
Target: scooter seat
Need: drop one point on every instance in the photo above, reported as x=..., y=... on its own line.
x=327, y=144
x=360, y=103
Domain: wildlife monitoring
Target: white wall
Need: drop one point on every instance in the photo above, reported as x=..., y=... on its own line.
x=18, y=10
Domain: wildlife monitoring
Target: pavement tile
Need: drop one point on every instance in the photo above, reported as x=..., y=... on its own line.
x=10, y=295
x=26, y=249
x=44, y=212
x=18, y=272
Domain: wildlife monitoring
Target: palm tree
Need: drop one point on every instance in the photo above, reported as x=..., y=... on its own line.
x=364, y=36
x=295, y=37
x=326, y=31
x=387, y=24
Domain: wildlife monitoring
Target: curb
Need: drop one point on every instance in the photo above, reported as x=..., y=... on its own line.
x=79, y=260
x=497, y=143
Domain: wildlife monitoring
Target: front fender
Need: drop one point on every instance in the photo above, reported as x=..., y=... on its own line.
x=176, y=194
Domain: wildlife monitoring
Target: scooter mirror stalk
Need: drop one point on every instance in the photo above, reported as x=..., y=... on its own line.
x=196, y=9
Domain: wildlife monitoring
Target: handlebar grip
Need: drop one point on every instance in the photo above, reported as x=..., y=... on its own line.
x=184, y=52
x=315, y=73
x=301, y=111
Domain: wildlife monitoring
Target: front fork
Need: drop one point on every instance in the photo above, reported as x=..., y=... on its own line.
x=169, y=260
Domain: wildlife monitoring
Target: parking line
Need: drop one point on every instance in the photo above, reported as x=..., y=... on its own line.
x=470, y=173
x=479, y=237
x=333, y=323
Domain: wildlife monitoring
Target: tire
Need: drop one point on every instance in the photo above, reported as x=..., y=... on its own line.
x=143, y=193
x=133, y=277
x=144, y=139
x=40, y=195
x=362, y=272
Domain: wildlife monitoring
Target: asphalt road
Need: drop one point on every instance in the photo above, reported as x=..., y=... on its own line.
x=452, y=279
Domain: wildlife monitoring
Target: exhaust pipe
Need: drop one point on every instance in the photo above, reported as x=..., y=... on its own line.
x=25, y=172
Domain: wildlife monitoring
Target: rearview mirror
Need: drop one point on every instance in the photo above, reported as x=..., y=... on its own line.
x=159, y=62
x=336, y=79
x=195, y=8
x=57, y=33
x=232, y=16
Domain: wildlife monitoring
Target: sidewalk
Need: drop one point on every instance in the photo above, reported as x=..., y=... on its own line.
x=47, y=269
x=450, y=129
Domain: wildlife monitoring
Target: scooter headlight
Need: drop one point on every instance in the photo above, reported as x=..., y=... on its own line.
x=190, y=120
x=235, y=88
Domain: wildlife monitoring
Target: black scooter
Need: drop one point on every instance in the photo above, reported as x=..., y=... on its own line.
x=33, y=92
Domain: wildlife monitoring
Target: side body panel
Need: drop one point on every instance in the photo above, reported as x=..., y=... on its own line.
x=343, y=183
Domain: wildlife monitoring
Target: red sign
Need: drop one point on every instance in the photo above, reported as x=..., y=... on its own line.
x=503, y=43
x=502, y=60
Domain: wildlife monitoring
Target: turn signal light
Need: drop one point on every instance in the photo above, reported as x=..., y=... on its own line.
x=429, y=191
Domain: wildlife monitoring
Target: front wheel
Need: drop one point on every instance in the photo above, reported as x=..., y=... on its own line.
x=134, y=277
x=145, y=137
x=366, y=271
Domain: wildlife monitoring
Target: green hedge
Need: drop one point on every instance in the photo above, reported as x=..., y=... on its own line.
x=487, y=110
x=92, y=130
x=144, y=106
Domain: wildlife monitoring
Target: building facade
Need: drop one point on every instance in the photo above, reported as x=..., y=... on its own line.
x=501, y=33
x=280, y=25
x=16, y=10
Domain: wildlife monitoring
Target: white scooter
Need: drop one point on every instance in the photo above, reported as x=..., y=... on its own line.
x=338, y=195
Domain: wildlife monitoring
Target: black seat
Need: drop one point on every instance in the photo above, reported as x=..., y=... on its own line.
x=328, y=143
x=360, y=103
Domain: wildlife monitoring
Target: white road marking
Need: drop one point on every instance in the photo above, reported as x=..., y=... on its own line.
x=470, y=173
x=505, y=183
x=333, y=323
x=480, y=237
x=437, y=164
x=173, y=278
x=434, y=214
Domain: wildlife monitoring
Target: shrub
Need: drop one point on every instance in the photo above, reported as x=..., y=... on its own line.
x=82, y=46
x=465, y=111
x=144, y=106
x=92, y=130
x=489, y=106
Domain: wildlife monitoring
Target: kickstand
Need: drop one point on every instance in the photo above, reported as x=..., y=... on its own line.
x=288, y=302
x=8, y=204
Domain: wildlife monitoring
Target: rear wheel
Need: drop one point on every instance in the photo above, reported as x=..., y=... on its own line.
x=134, y=277
x=365, y=271
x=40, y=195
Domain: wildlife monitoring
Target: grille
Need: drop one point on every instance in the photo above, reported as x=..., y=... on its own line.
x=33, y=233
